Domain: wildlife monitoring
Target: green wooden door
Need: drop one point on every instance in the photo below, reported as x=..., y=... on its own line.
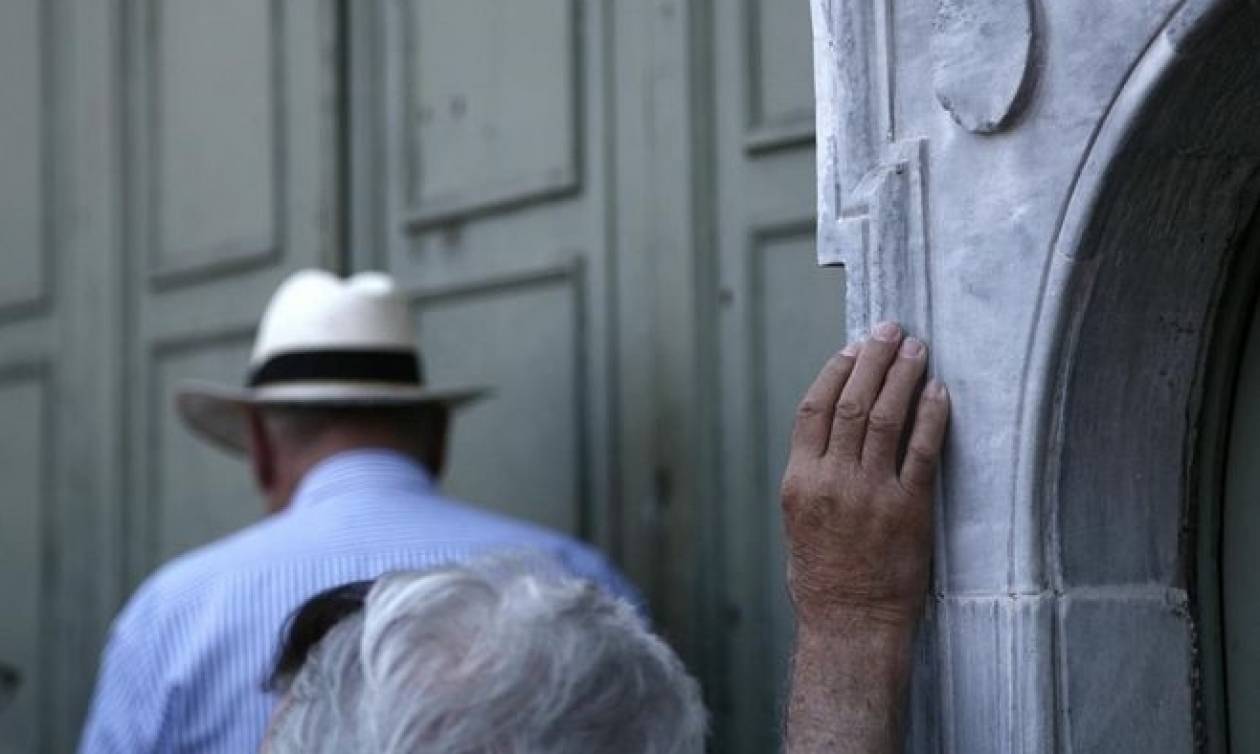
x=163, y=163
x=26, y=316
x=603, y=209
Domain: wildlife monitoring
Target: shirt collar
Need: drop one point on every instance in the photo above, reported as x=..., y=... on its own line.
x=354, y=471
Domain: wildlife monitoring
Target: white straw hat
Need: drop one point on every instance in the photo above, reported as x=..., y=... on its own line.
x=328, y=342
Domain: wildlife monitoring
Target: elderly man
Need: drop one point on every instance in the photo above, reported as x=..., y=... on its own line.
x=345, y=441
x=493, y=656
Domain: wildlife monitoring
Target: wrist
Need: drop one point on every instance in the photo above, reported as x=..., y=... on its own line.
x=877, y=638
x=876, y=622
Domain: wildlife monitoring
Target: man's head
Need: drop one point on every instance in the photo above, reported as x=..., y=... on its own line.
x=335, y=366
x=498, y=657
x=285, y=441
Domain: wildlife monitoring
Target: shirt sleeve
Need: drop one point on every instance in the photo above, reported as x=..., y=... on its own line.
x=129, y=703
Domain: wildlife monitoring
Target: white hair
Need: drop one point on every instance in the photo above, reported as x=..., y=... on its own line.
x=493, y=658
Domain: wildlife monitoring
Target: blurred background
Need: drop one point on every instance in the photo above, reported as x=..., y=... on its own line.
x=605, y=209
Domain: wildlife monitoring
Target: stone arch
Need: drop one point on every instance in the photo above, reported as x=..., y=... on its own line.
x=1145, y=253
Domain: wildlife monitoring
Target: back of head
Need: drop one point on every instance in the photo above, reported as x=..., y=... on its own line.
x=410, y=428
x=500, y=657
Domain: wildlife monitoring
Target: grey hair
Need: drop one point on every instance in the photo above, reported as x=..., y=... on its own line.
x=492, y=658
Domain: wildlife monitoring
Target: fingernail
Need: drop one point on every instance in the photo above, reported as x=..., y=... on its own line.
x=912, y=348
x=936, y=389
x=887, y=331
x=850, y=350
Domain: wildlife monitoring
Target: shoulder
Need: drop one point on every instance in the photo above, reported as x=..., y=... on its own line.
x=180, y=585
x=497, y=528
x=576, y=557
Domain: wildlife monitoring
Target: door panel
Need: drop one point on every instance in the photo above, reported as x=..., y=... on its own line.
x=781, y=318
x=526, y=340
x=779, y=74
x=796, y=329
x=492, y=219
x=216, y=114
x=22, y=166
x=24, y=466
x=490, y=97
x=221, y=496
x=29, y=370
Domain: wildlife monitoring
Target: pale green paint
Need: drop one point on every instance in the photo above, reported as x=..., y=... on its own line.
x=215, y=133
x=603, y=209
x=21, y=172
x=221, y=496
x=24, y=383
x=487, y=104
x=781, y=317
x=23, y=401
x=520, y=451
x=153, y=194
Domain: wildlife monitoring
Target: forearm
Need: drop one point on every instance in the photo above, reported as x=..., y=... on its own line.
x=848, y=685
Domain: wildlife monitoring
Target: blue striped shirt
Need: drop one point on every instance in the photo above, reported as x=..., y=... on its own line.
x=186, y=659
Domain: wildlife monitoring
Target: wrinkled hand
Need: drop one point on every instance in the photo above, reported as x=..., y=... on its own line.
x=859, y=525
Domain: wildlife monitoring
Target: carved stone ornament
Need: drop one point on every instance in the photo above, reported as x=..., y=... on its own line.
x=871, y=200
x=982, y=60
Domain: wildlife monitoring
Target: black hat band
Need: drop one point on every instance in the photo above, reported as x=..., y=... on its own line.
x=401, y=367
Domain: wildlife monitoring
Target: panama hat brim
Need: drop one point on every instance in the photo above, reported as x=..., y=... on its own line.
x=219, y=414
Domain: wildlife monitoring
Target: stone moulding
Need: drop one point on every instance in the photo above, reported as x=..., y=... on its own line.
x=871, y=215
x=884, y=229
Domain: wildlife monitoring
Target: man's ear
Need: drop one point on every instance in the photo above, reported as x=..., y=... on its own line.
x=262, y=453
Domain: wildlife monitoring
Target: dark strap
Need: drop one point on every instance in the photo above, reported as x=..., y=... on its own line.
x=339, y=366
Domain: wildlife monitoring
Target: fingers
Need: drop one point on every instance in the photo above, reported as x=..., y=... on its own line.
x=924, y=452
x=814, y=414
x=888, y=416
x=848, y=430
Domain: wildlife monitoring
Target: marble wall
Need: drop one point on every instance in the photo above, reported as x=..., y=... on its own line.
x=1054, y=195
